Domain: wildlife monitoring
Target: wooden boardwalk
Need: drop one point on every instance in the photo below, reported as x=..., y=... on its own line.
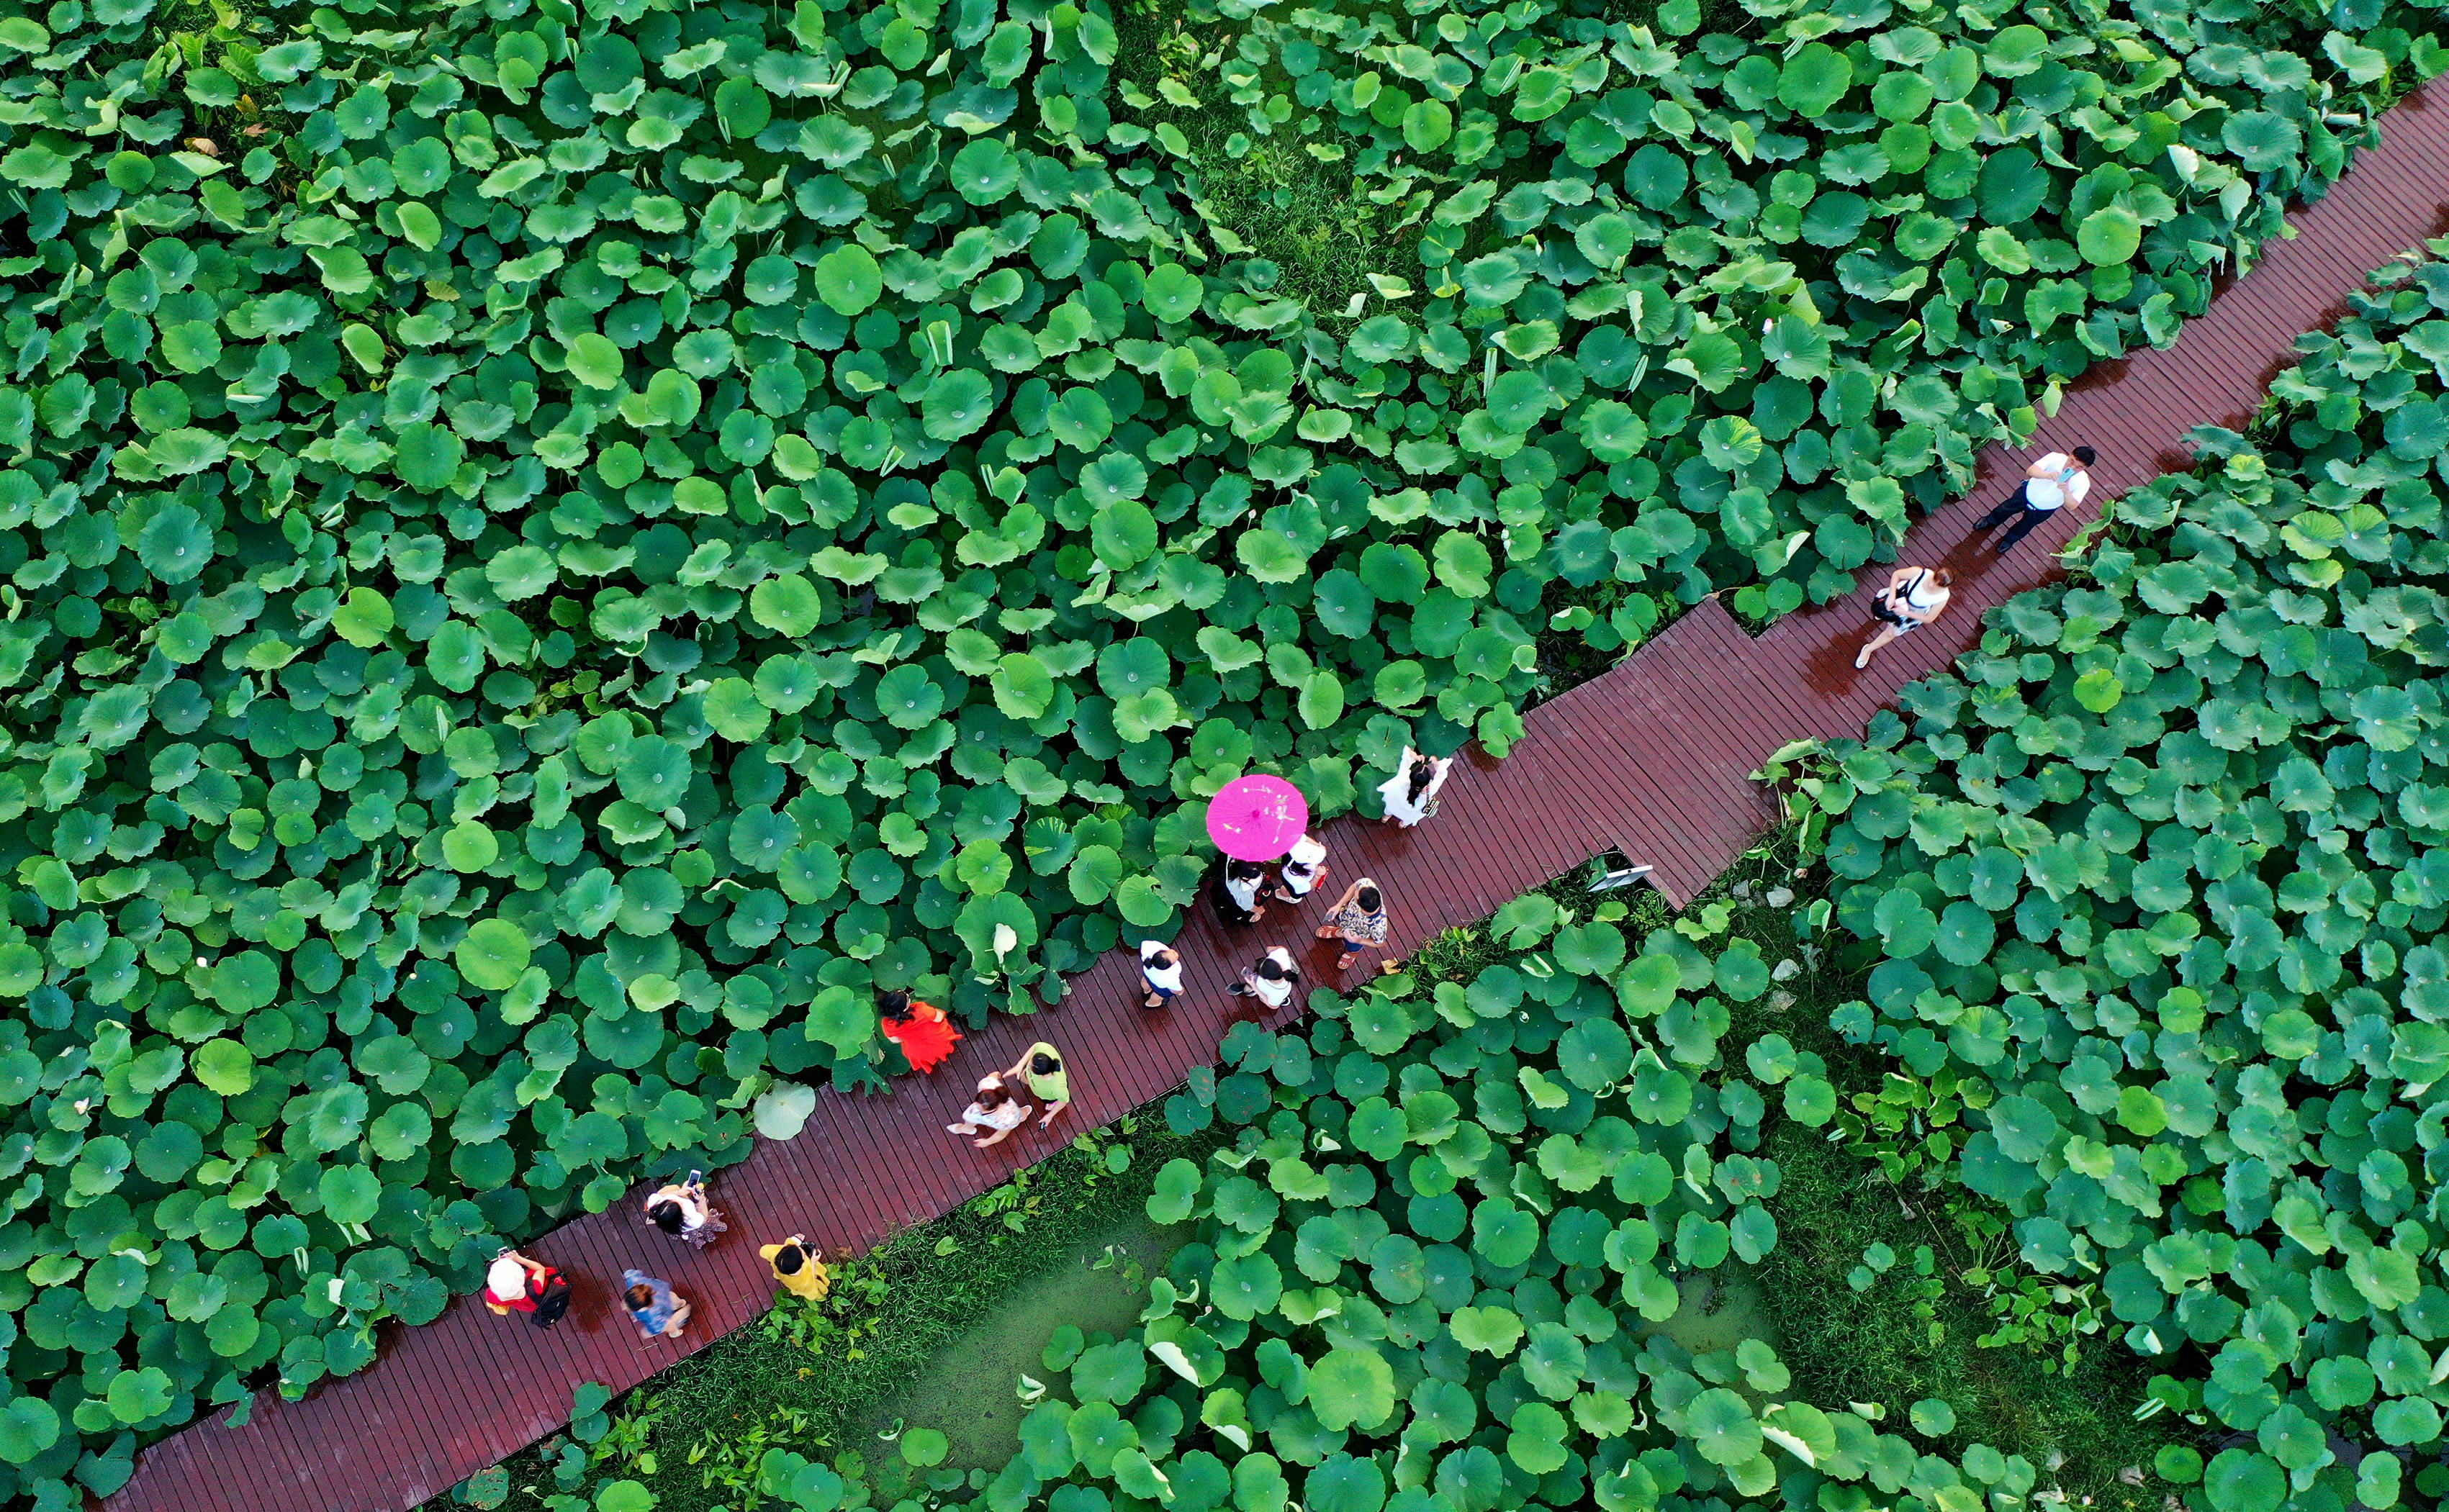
x=1650, y=759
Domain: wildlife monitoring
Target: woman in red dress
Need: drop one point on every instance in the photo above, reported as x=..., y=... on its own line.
x=925, y=1034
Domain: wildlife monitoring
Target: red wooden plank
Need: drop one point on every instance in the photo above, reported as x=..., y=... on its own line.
x=1656, y=792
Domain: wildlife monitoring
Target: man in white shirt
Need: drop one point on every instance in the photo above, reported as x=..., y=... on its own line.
x=2050, y=484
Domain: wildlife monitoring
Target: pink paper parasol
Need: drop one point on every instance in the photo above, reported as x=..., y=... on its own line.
x=1257, y=818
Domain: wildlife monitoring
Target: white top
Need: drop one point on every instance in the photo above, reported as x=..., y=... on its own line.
x=1299, y=871
x=692, y=1210
x=1275, y=994
x=1244, y=890
x=1011, y=1114
x=1921, y=593
x=2060, y=481
x=1168, y=977
x=1397, y=790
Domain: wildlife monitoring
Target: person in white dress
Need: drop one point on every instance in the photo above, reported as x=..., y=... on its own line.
x=1411, y=793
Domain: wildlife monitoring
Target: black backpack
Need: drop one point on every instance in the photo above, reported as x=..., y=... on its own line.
x=552, y=1298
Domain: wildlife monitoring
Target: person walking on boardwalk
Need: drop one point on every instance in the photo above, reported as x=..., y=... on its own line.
x=682, y=1209
x=2051, y=483
x=1270, y=979
x=992, y=1111
x=513, y=1283
x=925, y=1034
x=1914, y=596
x=1161, y=968
x=1040, y=1068
x=1359, y=919
x=1411, y=793
x=795, y=1267
x=1237, y=892
x=659, y=1311
x=1300, y=874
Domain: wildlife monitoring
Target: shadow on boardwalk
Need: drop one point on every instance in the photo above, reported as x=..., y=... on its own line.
x=1650, y=759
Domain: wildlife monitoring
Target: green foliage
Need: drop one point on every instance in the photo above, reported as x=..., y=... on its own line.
x=552, y=553
x=1438, y=1275
x=2150, y=895
x=1869, y=242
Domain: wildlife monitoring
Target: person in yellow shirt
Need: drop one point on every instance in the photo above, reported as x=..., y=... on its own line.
x=796, y=1266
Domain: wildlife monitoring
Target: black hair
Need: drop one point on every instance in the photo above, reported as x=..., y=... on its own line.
x=789, y=1259
x=1042, y=1064
x=2086, y=455
x=892, y=1004
x=993, y=1096
x=641, y=1295
x=1244, y=868
x=666, y=1216
x=1268, y=968
x=1422, y=770
x=1370, y=899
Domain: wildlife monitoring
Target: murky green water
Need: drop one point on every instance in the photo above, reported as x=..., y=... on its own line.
x=971, y=1391
x=1714, y=1317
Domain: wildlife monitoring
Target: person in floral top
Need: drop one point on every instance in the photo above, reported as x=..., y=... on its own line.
x=1359, y=919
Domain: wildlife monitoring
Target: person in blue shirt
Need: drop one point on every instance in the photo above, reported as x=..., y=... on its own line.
x=659, y=1311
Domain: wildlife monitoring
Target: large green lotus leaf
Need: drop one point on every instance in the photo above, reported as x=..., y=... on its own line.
x=1538, y=1437
x=2109, y=235
x=1351, y=1387
x=2241, y=1480
x=848, y=280
x=1813, y=78
x=1721, y=1425
x=1110, y=1372
x=491, y=954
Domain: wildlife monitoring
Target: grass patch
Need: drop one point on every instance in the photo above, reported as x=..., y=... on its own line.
x=1911, y=1333
x=1909, y=1337
x=1291, y=208
x=822, y=1379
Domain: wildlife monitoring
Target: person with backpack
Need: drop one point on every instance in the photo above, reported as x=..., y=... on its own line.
x=2051, y=483
x=659, y=1311
x=797, y=1268
x=514, y=1283
x=680, y=1209
x=1410, y=795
